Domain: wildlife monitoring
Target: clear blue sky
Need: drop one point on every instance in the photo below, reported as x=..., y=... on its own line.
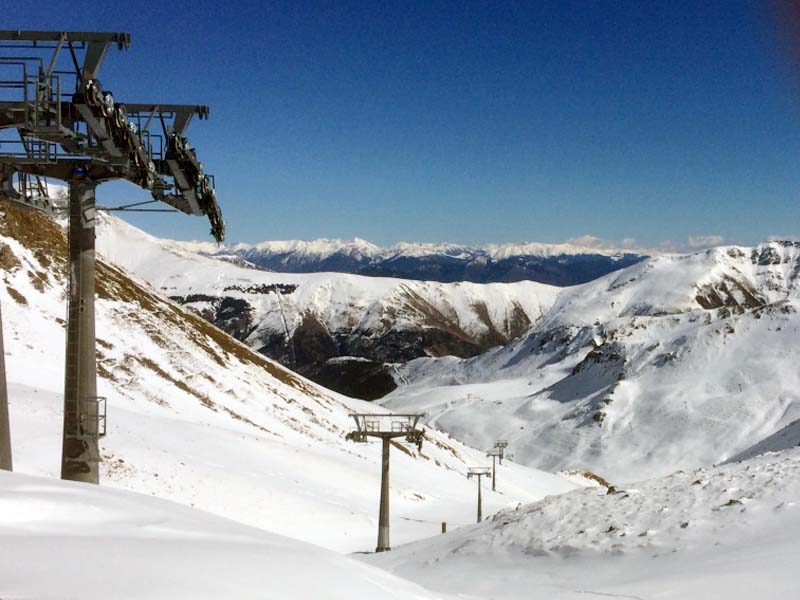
x=469, y=122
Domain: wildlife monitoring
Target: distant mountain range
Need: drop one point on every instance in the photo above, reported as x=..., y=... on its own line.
x=554, y=264
x=341, y=330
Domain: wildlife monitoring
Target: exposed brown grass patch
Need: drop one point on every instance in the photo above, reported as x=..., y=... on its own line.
x=181, y=385
x=589, y=475
x=36, y=231
x=105, y=344
x=445, y=447
x=492, y=337
x=38, y=280
x=16, y=296
x=402, y=448
x=244, y=419
x=48, y=242
x=8, y=260
x=430, y=316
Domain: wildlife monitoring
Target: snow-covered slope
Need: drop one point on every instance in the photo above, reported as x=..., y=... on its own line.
x=727, y=532
x=306, y=319
x=557, y=264
x=64, y=540
x=199, y=418
x=786, y=437
x=678, y=361
x=339, y=301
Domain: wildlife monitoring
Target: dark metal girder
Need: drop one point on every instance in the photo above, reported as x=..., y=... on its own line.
x=67, y=169
x=122, y=40
x=200, y=110
x=12, y=114
x=100, y=130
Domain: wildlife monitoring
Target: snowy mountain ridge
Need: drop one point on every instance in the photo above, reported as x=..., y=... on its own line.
x=557, y=264
x=676, y=362
x=325, y=247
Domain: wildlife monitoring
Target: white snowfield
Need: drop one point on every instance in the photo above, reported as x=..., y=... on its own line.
x=340, y=302
x=676, y=362
x=729, y=532
x=66, y=541
x=198, y=418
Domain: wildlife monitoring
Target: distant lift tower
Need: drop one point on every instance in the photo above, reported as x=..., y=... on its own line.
x=57, y=120
x=495, y=454
x=386, y=427
x=501, y=446
x=479, y=472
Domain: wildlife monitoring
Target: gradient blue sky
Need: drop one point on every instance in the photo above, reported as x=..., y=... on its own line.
x=469, y=122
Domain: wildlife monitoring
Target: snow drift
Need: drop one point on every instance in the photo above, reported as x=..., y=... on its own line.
x=65, y=540
x=725, y=532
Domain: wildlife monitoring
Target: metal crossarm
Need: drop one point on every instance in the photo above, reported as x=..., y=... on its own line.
x=122, y=40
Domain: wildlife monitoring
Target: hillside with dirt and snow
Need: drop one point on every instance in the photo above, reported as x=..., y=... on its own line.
x=724, y=532
x=314, y=323
x=553, y=264
x=197, y=417
x=679, y=361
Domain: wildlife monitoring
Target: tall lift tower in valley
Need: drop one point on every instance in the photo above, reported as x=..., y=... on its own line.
x=58, y=121
x=479, y=472
x=386, y=427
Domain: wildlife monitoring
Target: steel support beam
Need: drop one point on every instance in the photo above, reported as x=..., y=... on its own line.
x=383, y=516
x=5, y=427
x=479, y=472
x=95, y=52
x=122, y=40
x=480, y=501
x=80, y=451
x=201, y=110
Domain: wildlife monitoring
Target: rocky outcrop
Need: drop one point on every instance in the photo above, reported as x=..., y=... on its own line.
x=356, y=363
